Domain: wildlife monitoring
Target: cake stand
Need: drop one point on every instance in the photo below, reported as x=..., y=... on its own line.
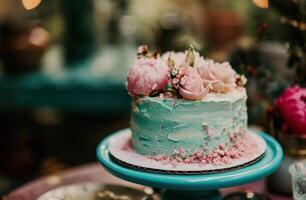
x=198, y=186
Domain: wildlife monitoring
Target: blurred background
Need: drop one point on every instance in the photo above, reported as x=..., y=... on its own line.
x=63, y=66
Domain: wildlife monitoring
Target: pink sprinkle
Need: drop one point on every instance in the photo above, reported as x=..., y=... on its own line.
x=198, y=153
x=220, y=152
x=234, y=155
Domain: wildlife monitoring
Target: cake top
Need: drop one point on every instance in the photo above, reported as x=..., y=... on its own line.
x=183, y=75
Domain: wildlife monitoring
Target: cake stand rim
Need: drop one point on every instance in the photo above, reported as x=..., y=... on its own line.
x=195, y=182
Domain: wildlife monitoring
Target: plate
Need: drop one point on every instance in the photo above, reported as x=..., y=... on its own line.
x=97, y=191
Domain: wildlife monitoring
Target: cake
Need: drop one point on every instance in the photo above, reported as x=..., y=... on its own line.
x=187, y=108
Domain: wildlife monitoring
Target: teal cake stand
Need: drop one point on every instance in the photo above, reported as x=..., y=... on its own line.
x=198, y=186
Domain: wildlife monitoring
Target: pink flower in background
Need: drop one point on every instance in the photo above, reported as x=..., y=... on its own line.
x=220, y=76
x=191, y=85
x=292, y=108
x=147, y=75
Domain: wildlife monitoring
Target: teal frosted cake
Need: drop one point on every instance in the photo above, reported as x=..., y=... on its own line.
x=159, y=125
x=186, y=105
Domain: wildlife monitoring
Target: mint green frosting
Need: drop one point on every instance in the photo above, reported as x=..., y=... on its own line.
x=163, y=125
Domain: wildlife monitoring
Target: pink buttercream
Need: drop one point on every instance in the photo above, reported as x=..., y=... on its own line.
x=147, y=75
x=220, y=76
x=292, y=108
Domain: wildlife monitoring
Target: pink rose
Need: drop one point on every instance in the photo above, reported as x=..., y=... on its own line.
x=191, y=85
x=147, y=75
x=220, y=76
x=292, y=109
x=177, y=57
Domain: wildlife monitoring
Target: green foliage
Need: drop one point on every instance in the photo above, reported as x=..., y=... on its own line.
x=293, y=15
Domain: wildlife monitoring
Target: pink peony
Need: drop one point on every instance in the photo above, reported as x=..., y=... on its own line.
x=220, y=76
x=292, y=109
x=177, y=57
x=147, y=75
x=191, y=85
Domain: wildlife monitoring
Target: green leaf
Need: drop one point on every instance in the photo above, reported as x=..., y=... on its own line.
x=170, y=62
x=190, y=57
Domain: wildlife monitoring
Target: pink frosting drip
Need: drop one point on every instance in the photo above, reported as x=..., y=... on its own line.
x=244, y=146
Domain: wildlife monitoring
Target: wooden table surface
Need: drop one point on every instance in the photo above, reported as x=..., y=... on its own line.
x=95, y=173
